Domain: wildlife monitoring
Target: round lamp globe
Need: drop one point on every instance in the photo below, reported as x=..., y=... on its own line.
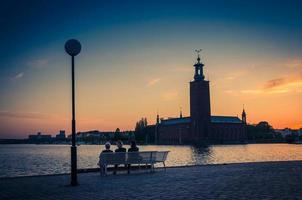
x=73, y=47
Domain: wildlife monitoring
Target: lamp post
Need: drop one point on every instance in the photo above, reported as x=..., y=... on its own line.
x=73, y=48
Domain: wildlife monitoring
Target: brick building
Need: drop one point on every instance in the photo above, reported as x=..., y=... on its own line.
x=201, y=125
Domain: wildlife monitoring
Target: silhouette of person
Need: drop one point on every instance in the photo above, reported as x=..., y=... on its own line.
x=132, y=156
x=106, y=150
x=119, y=149
x=133, y=147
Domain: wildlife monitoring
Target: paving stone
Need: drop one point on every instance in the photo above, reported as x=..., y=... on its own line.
x=271, y=180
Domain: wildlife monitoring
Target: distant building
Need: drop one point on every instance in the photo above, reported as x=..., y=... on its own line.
x=96, y=136
x=93, y=133
x=300, y=132
x=39, y=136
x=287, y=131
x=61, y=135
x=200, y=125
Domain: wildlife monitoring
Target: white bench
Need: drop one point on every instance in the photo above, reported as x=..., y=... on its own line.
x=133, y=158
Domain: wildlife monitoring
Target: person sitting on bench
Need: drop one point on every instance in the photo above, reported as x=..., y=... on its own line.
x=106, y=150
x=120, y=148
x=133, y=148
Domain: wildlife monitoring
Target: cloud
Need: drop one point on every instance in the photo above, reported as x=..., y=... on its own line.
x=25, y=115
x=38, y=63
x=168, y=96
x=91, y=120
x=237, y=74
x=274, y=83
x=277, y=86
x=278, y=91
x=251, y=91
x=290, y=83
x=18, y=76
x=229, y=91
x=230, y=77
x=295, y=63
x=284, y=82
x=153, y=82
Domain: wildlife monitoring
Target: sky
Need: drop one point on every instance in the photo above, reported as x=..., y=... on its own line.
x=137, y=59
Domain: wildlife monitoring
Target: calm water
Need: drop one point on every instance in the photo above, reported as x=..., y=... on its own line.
x=24, y=160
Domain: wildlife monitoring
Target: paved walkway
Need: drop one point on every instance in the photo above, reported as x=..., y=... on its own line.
x=272, y=180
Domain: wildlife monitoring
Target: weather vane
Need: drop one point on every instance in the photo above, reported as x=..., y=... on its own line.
x=198, y=51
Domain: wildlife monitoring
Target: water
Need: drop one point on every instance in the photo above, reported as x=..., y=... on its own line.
x=25, y=160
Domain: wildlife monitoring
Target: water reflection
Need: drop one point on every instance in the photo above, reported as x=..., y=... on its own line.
x=201, y=154
x=20, y=160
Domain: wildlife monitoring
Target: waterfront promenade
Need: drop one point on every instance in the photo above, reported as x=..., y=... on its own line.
x=269, y=180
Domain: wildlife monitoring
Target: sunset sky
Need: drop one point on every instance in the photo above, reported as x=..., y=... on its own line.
x=137, y=57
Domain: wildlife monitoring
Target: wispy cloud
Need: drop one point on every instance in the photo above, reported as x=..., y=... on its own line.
x=284, y=82
x=278, y=91
x=18, y=76
x=230, y=77
x=239, y=73
x=91, y=120
x=276, y=86
x=38, y=63
x=274, y=83
x=294, y=63
x=231, y=92
x=282, y=85
x=170, y=95
x=251, y=91
x=153, y=82
x=25, y=115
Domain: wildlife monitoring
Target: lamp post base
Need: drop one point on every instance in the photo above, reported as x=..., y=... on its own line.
x=74, y=180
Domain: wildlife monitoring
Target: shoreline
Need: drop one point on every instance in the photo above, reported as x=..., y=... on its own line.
x=168, y=144
x=97, y=170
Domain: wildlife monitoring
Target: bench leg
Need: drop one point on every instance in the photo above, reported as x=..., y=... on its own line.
x=164, y=165
x=103, y=169
x=152, y=167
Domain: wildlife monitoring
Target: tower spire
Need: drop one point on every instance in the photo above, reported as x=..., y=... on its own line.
x=157, y=117
x=198, y=54
x=243, y=115
x=198, y=67
x=180, y=112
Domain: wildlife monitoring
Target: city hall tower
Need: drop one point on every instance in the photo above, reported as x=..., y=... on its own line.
x=200, y=109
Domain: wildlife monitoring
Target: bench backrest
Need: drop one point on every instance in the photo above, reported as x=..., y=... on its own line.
x=161, y=156
x=143, y=157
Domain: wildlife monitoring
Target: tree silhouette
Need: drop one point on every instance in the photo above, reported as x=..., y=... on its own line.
x=140, y=129
x=117, y=134
x=262, y=130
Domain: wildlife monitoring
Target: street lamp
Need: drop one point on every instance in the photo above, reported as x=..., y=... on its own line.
x=73, y=48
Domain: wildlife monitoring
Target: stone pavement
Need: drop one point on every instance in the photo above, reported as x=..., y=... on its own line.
x=270, y=180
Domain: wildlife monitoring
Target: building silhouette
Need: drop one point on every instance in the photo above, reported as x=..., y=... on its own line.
x=40, y=137
x=61, y=135
x=200, y=126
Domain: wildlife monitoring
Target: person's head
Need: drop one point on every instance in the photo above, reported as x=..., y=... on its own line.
x=119, y=144
x=107, y=145
x=133, y=144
